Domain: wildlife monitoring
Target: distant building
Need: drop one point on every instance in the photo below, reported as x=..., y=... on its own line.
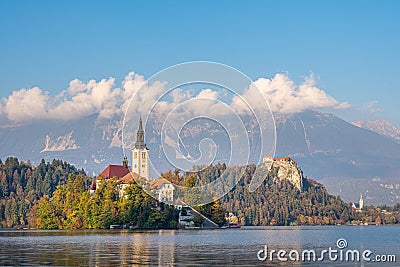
x=360, y=205
x=140, y=154
x=164, y=189
x=284, y=159
x=186, y=214
x=268, y=159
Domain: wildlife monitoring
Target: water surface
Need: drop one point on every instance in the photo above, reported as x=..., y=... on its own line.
x=221, y=247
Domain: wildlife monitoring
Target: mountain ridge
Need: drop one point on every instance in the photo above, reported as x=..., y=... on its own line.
x=382, y=127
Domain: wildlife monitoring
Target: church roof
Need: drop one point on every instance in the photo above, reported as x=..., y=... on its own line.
x=118, y=171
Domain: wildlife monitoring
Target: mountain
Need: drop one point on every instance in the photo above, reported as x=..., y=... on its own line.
x=87, y=143
x=347, y=159
x=381, y=127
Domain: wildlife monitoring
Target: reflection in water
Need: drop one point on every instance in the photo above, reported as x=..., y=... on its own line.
x=234, y=247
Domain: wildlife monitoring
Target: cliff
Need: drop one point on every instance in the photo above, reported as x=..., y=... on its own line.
x=287, y=169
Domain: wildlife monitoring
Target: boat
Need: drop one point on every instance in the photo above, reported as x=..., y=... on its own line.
x=233, y=225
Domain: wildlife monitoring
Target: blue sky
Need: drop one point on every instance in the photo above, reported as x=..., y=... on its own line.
x=351, y=46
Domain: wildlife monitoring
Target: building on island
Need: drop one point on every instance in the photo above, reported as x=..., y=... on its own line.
x=118, y=171
x=125, y=174
x=124, y=182
x=186, y=214
x=140, y=154
x=164, y=189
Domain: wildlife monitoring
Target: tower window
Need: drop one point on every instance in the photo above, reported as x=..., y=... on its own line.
x=135, y=155
x=143, y=155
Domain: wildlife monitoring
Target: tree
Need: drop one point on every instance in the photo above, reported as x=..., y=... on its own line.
x=198, y=220
x=47, y=217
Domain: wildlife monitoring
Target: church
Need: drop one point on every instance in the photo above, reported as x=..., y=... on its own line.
x=140, y=168
x=140, y=154
x=358, y=207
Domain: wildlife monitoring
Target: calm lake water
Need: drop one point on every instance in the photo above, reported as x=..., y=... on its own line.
x=221, y=247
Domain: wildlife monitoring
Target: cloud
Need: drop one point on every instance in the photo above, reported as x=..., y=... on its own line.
x=80, y=99
x=26, y=104
x=105, y=98
x=76, y=86
x=208, y=93
x=371, y=107
x=88, y=98
x=285, y=97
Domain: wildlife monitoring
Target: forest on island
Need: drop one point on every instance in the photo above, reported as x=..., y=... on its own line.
x=73, y=207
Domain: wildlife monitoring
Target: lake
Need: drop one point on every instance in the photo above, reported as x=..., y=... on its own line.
x=220, y=247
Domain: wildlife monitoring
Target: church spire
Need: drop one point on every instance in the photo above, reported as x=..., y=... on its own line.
x=140, y=123
x=361, y=202
x=140, y=154
x=140, y=144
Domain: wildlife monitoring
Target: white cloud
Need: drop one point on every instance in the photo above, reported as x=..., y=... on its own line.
x=80, y=99
x=76, y=86
x=371, y=107
x=284, y=96
x=208, y=93
x=103, y=97
x=26, y=104
x=88, y=98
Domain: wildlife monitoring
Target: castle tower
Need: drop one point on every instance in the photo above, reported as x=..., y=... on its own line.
x=361, y=202
x=140, y=154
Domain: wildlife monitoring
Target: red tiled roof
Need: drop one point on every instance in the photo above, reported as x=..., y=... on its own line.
x=130, y=177
x=118, y=171
x=159, y=182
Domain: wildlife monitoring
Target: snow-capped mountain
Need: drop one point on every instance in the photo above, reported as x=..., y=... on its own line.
x=60, y=143
x=381, y=127
x=348, y=159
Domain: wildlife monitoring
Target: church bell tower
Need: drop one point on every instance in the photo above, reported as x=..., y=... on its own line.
x=140, y=154
x=361, y=202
